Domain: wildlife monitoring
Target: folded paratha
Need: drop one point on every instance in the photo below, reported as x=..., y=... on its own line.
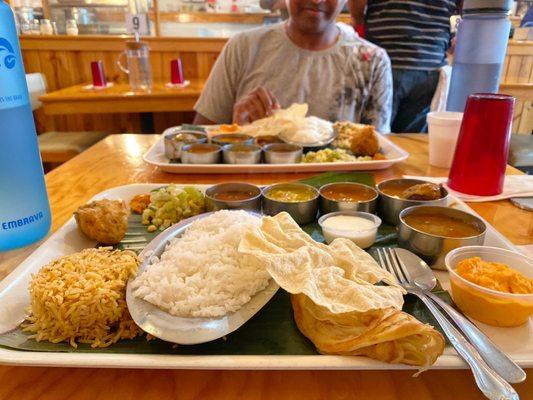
x=336, y=298
x=387, y=335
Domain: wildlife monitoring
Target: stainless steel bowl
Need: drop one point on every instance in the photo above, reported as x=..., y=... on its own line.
x=253, y=203
x=433, y=248
x=282, y=153
x=328, y=205
x=232, y=138
x=241, y=154
x=303, y=212
x=208, y=157
x=175, y=139
x=267, y=139
x=389, y=207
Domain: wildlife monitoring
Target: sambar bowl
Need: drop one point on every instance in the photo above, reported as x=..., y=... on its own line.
x=433, y=248
x=241, y=153
x=329, y=205
x=232, y=138
x=214, y=202
x=303, y=212
x=282, y=153
x=389, y=207
x=201, y=153
x=174, y=139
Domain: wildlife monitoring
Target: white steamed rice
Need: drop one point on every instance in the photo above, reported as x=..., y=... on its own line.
x=201, y=273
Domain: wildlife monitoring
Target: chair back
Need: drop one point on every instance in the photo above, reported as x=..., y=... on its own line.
x=37, y=87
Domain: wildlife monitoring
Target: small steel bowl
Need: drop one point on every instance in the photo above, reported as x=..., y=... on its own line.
x=175, y=138
x=232, y=138
x=328, y=205
x=434, y=248
x=389, y=207
x=282, y=153
x=241, y=153
x=303, y=212
x=253, y=203
x=210, y=155
x=267, y=139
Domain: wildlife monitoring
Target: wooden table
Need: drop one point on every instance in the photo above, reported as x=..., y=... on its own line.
x=117, y=161
x=119, y=98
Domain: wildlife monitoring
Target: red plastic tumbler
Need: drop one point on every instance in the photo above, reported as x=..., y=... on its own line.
x=176, y=72
x=97, y=70
x=480, y=158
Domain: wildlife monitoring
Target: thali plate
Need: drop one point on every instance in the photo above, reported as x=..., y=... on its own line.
x=14, y=299
x=394, y=153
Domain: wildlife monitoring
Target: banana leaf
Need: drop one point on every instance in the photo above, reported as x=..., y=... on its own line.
x=272, y=331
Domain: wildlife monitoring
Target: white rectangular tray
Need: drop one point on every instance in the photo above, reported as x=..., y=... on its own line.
x=156, y=156
x=14, y=297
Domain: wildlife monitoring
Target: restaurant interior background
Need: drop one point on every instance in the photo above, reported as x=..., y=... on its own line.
x=193, y=31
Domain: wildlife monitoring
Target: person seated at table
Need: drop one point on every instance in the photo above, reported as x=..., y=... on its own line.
x=307, y=59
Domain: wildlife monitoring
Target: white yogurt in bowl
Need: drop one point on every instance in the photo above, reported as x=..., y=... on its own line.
x=359, y=227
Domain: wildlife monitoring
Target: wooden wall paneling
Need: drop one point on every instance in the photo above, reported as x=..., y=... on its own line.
x=40, y=120
x=514, y=69
x=67, y=66
x=205, y=63
x=189, y=61
x=505, y=68
x=526, y=64
x=157, y=17
x=112, y=71
x=526, y=119
x=156, y=61
x=49, y=67
x=518, y=109
x=165, y=120
x=32, y=62
x=212, y=58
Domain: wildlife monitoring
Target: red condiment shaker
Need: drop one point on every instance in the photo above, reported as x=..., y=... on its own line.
x=97, y=70
x=480, y=158
x=176, y=72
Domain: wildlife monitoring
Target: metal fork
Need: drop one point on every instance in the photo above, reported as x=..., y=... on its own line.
x=488, y=381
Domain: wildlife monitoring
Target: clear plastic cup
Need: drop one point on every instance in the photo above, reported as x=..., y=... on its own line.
x=443, y=130
x=486, y=305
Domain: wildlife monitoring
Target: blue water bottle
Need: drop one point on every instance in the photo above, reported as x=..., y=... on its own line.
x=482, y=39
x=24, y=209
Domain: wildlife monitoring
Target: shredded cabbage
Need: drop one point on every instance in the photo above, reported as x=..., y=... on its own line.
x=171, y=204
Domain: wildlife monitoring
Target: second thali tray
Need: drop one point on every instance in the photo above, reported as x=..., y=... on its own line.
x=393, y=153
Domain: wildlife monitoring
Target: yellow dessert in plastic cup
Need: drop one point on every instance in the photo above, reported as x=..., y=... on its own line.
x=492, y=307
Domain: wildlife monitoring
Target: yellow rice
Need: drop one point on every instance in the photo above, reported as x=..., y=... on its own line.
x=80, y=298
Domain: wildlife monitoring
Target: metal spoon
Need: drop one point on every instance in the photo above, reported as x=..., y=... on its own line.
x=424, y=278
x=163, y=325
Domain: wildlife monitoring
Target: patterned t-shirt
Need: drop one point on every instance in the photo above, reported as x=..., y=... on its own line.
x=352, y=80
x=415, y=33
